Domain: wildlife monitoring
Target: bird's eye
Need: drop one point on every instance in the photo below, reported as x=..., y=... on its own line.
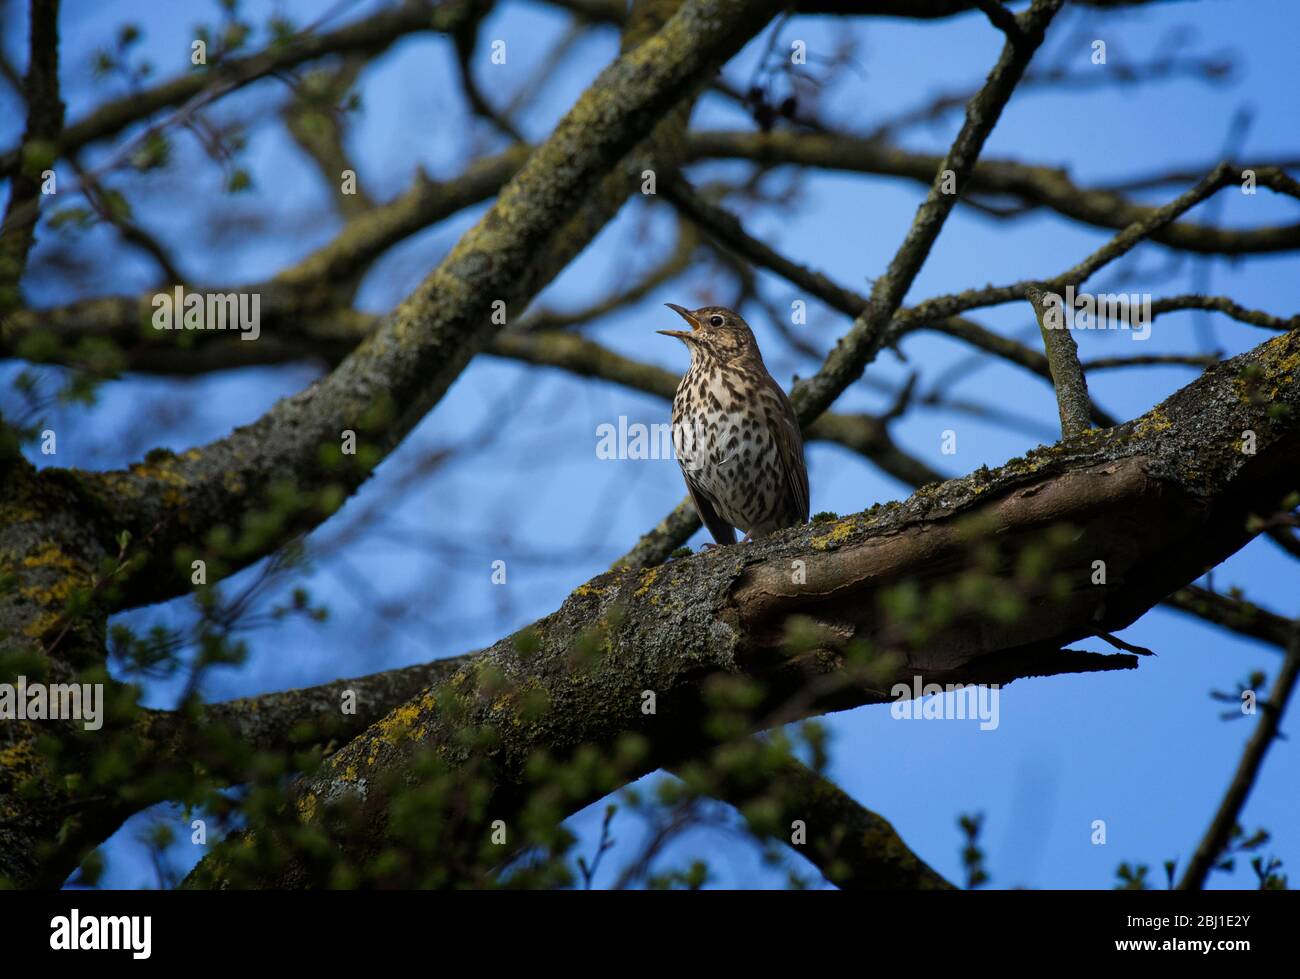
x=716, y=321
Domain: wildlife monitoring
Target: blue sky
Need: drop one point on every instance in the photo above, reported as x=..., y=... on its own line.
x=1143, y=750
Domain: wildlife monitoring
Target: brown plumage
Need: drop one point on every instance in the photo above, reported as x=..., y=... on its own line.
x=735, y=432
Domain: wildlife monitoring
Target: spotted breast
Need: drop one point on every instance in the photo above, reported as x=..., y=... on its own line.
x=735, y=432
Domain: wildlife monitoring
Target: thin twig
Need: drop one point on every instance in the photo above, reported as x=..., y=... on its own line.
x=1225, y=820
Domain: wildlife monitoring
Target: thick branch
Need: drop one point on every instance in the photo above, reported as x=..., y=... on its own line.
x=853, y=847
x=278, y=721
x=381, y=390
x=1159, y=499
x=298, y=307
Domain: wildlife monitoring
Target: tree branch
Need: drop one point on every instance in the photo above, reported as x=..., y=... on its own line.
x=864, y=434
x=372, y=34
x=870, y=330
x=1001, y=18
x=1234, y=614
x=728, y=612
x=313, y=120
x=944, y=306
x=1063, y=358
x=853, y=847
x=1225, y=819
x=1038, y=185
x=382, y=389
x=44, y=123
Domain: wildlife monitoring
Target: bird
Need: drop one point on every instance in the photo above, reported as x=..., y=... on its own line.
x=735, y=432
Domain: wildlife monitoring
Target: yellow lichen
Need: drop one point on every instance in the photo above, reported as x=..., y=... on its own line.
x=397, y=726
x=647, y=579
x=840, y=531
x=50, y=556
x=52, y=597
x=1154, y=420
x=307, y=806
x=21, y=756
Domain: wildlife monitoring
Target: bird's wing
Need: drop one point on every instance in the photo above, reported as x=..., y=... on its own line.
x=722, y=531
x=789, y=442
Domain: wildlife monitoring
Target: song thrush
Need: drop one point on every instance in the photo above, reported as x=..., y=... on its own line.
x=735, y=432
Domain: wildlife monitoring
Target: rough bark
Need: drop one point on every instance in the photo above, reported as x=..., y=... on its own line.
x=1159, y=499
x=382, y=389
x=58, y=528
x=676, y=628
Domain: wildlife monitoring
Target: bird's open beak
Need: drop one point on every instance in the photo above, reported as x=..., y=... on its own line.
x=684, y=314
